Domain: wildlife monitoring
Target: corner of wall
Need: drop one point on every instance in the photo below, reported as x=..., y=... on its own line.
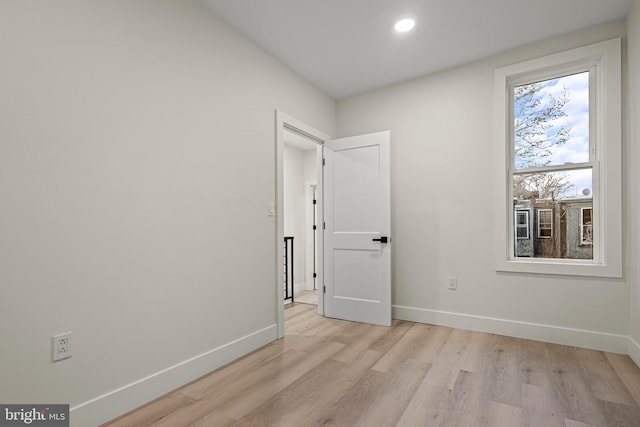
x=634, y=351
x=633, y=135
x=118, y=402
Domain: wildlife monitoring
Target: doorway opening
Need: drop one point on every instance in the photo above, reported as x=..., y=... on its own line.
x=299, y=207
x=300, y=171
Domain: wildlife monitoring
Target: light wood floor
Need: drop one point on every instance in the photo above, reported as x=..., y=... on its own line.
x=328, y=372
x=307, y=297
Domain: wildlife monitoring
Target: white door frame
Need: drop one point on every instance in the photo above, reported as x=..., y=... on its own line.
x=285, y=121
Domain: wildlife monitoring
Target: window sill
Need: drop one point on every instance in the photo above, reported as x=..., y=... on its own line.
x=575, y=267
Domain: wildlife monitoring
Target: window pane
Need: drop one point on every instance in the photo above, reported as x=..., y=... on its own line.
x=551, y=122
x=586, y=227
x=545, y=222
x=522, y=224
x=561, y=204
x=522, y=219
x=572, y=184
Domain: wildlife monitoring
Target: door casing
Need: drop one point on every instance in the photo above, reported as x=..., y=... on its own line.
x=285, y=121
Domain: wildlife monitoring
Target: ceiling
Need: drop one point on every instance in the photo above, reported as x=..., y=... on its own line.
x=345, y=47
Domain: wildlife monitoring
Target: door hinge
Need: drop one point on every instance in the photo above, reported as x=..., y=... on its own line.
x=314, y=201
x=324, y=162
x=314, y=227
x=315, y=275
x=324, y=289
x=324, y=225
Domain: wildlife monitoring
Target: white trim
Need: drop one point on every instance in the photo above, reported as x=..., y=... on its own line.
x=534, y=331
x=283, y=120
x=538, y=223
x=605, y=57
x=582, y=225
x=121, y=400
x=517, y=224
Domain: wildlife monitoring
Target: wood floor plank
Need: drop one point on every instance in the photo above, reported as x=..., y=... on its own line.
x=421, y=342
x=347, y=410
x=628, y=372
x=570, y=388
x=574, y=423
x=218, y=393
x=468, y=393
x=327, y=408
x=391, y=336
x=297, y=396
x=540, y=407
x=262, y=391
x=151, y=412
x=191, y=413
x=535, y=367
x=215, y=418
x=219, y=378
x=429, y=406
x=431, y=342
x=473, y=359
x=501, y=414
x=603, y=380
x=446, y=366
x=621, y=415
x=355, y=344
x=503, y=371
x=389, y=406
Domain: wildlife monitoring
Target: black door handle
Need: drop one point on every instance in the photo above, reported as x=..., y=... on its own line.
x=382, y=239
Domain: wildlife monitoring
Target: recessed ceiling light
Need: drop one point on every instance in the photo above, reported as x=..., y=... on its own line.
x=404, y=25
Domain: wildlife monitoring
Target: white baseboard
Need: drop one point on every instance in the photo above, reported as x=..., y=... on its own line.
x=117, y=402
x=533, y=331
x=634, y=351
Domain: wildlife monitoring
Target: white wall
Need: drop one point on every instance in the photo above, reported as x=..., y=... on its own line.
x=310, y=165
x=632, y=164
x=128, y=214
x=442, y=211
x=294, y=207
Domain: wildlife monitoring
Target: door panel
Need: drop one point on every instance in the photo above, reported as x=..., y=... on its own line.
x=352, y=267
x=357, y=211
x=356, y=196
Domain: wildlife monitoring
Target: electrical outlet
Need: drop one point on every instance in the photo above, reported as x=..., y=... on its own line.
x=453, y=283
x=61, y=346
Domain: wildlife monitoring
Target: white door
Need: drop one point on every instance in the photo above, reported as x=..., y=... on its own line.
x=357, y=244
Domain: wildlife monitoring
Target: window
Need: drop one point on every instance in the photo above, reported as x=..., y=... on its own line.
x=522, y=224
x=586, y=226
x=557, y=146
x=545, y=223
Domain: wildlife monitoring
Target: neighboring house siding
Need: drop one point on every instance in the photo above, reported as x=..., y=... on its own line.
x=564, y=239
x=574, y=247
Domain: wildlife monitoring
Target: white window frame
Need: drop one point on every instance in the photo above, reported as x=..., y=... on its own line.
x=603, y=60
x=517, y=225
x=550, y=223
x=582, y=225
